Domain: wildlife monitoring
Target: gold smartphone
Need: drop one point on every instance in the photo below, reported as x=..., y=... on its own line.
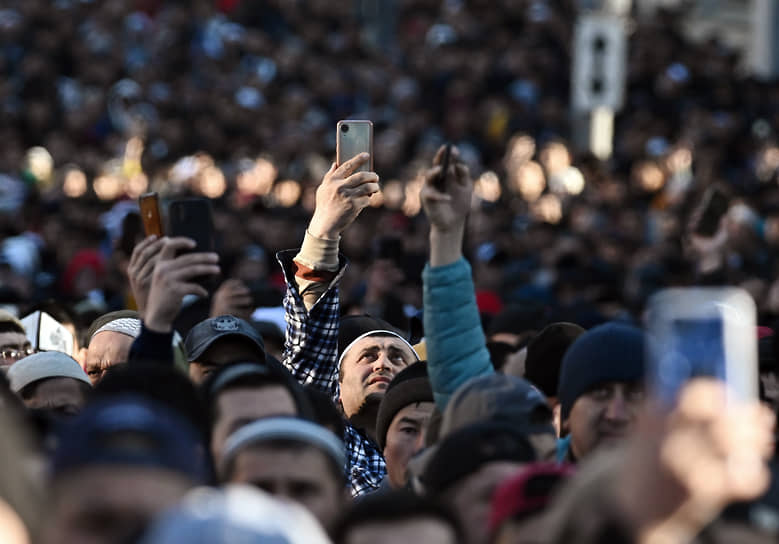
x=150, y=214
x=353, y=138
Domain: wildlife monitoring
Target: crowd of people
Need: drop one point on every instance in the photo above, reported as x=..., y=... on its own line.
x=408, y=354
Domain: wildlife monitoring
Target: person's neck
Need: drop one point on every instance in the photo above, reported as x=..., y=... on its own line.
x=365, y=419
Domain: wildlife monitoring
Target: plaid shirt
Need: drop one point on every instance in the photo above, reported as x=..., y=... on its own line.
x=311, y=354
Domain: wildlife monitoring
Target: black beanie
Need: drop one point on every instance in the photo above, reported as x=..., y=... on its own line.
x=409, y=386
x=612, y=352
x=545, y=354
x=465, y=451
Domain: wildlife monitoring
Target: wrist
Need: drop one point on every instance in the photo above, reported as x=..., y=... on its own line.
x=323, y=231
x=445, y=246
x=158, y=325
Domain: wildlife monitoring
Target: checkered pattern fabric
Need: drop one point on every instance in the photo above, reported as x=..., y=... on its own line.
x=311, y=355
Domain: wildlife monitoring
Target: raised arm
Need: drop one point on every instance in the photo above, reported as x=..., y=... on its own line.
x=171, y=279
x=312, y=274
x=455, y=343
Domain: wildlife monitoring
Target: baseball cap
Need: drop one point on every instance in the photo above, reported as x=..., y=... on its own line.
x=528, y=492
x=205, y=333
x=46, y=364
x=235, y=513
x=498, y=398
x=130, y=430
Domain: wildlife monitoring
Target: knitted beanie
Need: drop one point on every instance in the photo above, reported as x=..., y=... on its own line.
x=411, y=385
x=613, y=352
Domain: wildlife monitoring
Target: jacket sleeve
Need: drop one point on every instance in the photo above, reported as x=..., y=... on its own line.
x=311, y=344
x=454, y=339
x=152, y=346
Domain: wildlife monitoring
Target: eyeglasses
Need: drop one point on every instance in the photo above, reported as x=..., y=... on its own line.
x=16, y=353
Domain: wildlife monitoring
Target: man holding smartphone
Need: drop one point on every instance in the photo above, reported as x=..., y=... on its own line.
x=356, y=373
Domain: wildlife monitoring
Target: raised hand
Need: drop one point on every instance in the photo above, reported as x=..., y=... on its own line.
x=232, y=298
x=141, y=268
x=173, y=278
x=341, y=197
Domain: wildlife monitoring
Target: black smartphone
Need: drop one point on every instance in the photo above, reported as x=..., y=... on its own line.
x=440, y=180
x=193, y=218
x=715, y=205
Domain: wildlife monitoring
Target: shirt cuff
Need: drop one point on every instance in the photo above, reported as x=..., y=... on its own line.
x=318, y=253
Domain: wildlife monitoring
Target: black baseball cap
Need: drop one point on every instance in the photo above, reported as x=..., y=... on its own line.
x=205, y=333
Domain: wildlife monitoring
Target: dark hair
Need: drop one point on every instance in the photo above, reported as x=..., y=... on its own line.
x=325, y=411
x=267, y=374
x=499, y=353
x=394, y=506
x=58, y=311
x=10, y=326
x=163, y=384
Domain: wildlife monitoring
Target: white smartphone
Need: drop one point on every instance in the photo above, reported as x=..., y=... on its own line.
x=353, y=138
x=702, y=331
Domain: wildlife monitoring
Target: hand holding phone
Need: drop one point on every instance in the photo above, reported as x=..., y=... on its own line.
x=352, y=138
x=347, y=187
x=192, y=218
x=702, y=332
x=439, y=182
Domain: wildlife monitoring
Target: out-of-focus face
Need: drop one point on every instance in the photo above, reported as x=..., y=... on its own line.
x=471, y=497
x=427, y=530
x=106, y=349
x=237, y=407
x=64, y=396
x=13, y=346
x=604, y=416
x=228, y=349
x=405, y=437
x=301, y=474
x=368, y=368
x=110, y=504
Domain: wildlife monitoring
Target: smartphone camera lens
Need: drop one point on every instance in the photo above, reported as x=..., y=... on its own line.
x=344, y=128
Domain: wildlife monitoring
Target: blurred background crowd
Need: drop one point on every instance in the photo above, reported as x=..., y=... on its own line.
x=101, y=101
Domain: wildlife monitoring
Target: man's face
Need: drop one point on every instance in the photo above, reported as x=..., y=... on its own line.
x=299, y=473
x=369, y=366
x=61, y=395
x=226, y=350
x=471, y=497
x=106, y=349
x=108, y=504
x=13, y=342
x=427, y=530
x=405, y=437
x=604, y=416
x=242, y=405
